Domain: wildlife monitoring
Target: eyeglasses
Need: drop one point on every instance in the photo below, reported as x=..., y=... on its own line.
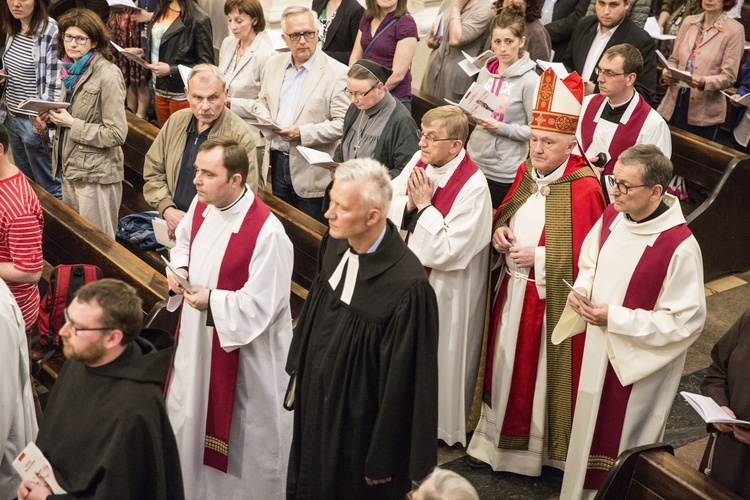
x=606, y=72
x=309, y=35
x=429, y=139
x=359, y=95
x=80, y=40
x=623, y=188
x=75, y=329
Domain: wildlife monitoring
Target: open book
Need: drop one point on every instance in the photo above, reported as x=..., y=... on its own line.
x=472, y=65
x=129, y=55
x=559, y=68
x=744, y=100
x=32, y=465
x=317, y=158
x=479, y=101
x=40, y=105
x=652, y=28
x=264, y=124
x=123, y=4
x=709, y=411
x=184, y=283
x=681, y=76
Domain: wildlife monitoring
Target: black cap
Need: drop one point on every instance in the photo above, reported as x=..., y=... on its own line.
x=380, y=72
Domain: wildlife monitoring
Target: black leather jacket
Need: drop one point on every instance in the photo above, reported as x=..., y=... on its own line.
x=181, y=44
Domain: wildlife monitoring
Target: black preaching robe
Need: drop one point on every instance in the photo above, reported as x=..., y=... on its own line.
x=106, y=432
x=366, y=398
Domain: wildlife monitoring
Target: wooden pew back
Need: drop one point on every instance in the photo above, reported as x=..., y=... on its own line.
x=652, y=472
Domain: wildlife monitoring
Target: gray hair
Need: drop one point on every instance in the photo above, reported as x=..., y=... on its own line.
x=656, y=169
x=299, y=9
x=204, y=68
x=446, y=485
x=374, y=179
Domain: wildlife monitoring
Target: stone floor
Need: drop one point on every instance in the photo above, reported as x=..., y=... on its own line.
x=726, y=299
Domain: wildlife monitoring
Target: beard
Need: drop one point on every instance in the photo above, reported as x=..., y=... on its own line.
x=89, y=355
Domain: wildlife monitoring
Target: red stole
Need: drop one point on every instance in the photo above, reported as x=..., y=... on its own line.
x=444, y=197
x=233, y=275
x=625, y=135
x=642, y=293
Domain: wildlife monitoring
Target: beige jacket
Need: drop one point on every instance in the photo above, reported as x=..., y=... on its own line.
x=319, y=112
x=243, y=81
x=717, y=60
x=161, y=167
x=91, y=149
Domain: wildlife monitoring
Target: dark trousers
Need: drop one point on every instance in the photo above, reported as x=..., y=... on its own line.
x=281, y=184
x=498, y=190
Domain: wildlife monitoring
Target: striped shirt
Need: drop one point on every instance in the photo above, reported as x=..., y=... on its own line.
x=22, y=82
x=21, y=222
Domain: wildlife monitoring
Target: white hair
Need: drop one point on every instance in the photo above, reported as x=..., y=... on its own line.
x=374, y=179
x=299, y=9
x=446, y=485
x=203, y=68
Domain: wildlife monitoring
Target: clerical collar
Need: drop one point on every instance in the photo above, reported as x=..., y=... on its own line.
x=540, y=176
x=614, y=113
x=661, y=209
x=377, y=108
x=450, y=166
x=235, y=201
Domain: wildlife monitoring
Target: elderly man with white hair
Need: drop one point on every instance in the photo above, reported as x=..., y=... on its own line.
x=364, y=354
x=302, y=91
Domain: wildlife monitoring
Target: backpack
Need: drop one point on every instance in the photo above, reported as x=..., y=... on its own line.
x=64, y=281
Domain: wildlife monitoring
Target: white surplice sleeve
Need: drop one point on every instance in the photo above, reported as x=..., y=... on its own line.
x=588, y=257
x=399, y=185
x=640, y=342
x=179, y=256
x=243, y=315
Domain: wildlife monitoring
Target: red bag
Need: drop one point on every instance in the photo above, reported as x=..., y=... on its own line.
x=64, y=281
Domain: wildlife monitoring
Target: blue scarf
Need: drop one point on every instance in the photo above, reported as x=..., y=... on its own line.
x=71, y=71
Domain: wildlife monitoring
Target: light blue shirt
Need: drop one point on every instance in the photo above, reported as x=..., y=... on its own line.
x=290, y=88
x=378, y=241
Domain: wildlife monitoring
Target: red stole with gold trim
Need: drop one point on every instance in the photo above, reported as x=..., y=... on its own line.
x=642, y=293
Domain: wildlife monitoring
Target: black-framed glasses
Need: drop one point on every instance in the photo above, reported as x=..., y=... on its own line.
x=624, y=188
x=309, y=35
x=606, y=72
x=75, y=329
x=359, y=95
x=80, y=40
x=429, y=139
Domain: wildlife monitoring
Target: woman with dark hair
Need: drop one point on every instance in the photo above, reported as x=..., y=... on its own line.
x=339, y=25
x=30, y=62
x=179, y=34
x=465, y=23
x=91, y=130
x=388, y=35
x=376, y=124
x=242, y=58
x=709, y=46
x=538, y=43
x=500, y=143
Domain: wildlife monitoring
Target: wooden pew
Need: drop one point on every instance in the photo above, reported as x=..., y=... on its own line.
x=719, y=223
x=304, y=232
x=69, y=239
x=653, y=472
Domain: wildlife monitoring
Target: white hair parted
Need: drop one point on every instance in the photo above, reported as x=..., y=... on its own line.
x=443, y=484
x=374, y=179
x=299, y=9
x=203, y=68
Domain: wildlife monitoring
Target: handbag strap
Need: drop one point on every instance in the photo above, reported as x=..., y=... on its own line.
x=377, y=35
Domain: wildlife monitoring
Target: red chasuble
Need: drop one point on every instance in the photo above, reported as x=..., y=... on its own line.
x=642, y=293
x=626, y=134
x=587, y=204
x=233, y=275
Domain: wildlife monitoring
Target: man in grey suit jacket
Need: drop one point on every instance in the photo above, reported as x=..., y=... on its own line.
x=303, y=92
